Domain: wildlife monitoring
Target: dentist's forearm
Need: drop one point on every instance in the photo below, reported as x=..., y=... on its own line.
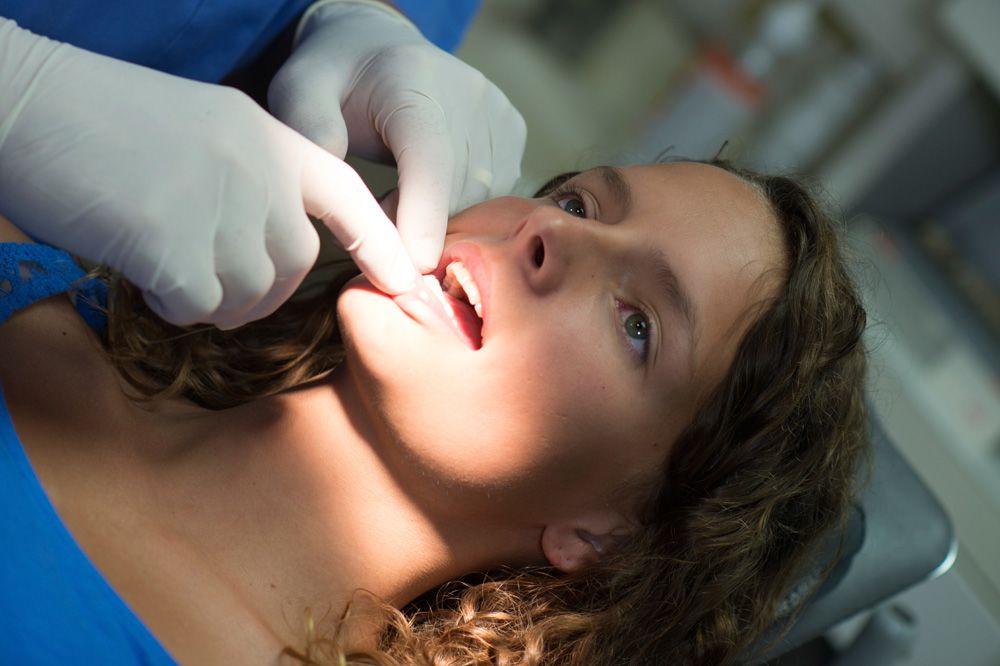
x=24, y=57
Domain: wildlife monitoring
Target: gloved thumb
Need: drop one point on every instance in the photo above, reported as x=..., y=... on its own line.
x=333, y=192
x=419, y=140
x=311, y=110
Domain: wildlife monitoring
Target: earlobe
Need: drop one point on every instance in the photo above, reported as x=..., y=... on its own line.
x=572, y=546
x=566, y=550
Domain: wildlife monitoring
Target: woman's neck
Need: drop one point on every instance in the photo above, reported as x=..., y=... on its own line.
x=288, y=498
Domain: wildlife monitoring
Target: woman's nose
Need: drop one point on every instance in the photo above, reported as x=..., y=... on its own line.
x=549, y=242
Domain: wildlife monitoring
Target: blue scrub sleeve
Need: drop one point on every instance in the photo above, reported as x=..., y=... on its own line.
x=443, y=22
x=202, y=39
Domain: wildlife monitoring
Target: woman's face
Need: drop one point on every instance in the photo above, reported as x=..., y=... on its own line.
x=610, y=307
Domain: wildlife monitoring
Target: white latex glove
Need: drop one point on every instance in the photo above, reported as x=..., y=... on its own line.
x=363, y=77
x=192, y=191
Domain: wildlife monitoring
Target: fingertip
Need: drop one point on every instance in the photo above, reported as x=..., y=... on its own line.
x=282, y=288
x=229, y=326
x=425, y=251
x=326, y=131
x=185, y=307
x=330, y=134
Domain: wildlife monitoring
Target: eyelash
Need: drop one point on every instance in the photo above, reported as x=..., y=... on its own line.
x=625, y=311
x=566, y=192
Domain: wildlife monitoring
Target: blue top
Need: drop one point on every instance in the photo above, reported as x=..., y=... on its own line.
x=202, y=39
x=56, y=607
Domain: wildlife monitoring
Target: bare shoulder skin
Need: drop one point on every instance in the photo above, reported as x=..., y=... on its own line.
x=81, y=435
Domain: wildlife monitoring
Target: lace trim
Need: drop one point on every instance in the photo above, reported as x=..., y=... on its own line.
x=30, y=272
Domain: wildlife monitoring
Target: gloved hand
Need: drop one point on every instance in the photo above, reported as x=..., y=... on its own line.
x=363, y=77
x=192, y=191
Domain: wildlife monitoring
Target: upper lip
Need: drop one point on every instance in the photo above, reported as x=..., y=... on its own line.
x=472, y=258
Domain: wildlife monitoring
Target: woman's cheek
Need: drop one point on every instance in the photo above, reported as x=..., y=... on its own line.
x=494, y=219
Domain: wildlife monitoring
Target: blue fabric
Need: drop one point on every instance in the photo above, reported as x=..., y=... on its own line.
x=443, y=22
x=30, y=272
x=55, y=607
x=202, y=39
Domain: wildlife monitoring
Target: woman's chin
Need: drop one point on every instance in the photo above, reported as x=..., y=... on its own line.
x=382, y=341
x=369, y=319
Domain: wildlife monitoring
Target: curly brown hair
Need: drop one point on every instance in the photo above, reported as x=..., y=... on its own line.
x=763, y=472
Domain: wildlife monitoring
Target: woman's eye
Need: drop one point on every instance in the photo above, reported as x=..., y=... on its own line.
x=637, y=329
x=572, y=204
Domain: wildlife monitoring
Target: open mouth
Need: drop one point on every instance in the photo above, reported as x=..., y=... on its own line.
x=461, y=297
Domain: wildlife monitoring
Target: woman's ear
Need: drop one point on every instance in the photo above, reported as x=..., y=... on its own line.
x=573, y=545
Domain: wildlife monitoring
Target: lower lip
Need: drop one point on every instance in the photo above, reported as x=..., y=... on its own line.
x=467, y=326
x=462, y=322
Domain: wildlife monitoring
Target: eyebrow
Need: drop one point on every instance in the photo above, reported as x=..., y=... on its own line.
x=680, y=299
x=617, y=185
x=666, y=277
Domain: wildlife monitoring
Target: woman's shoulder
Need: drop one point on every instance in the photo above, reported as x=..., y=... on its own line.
x=49, y=356
x=35, y=311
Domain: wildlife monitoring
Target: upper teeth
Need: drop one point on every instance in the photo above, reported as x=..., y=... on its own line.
x=458, y=282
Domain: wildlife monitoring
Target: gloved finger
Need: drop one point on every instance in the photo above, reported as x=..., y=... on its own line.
x=310, y=104
x=293, y=249
x=245, y=272
x=426, y=160
x=508, y=136
x=281, y=291
x=181, y=305
x=477, y=186
x=333, y=192
x=473, y=183
x=496, y=146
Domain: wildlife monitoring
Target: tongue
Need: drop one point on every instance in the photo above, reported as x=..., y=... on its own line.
x=468, y=325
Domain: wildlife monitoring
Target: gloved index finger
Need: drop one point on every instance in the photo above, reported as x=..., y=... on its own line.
x=333, y=192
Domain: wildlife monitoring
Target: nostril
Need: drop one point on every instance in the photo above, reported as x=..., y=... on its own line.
x=539, y=255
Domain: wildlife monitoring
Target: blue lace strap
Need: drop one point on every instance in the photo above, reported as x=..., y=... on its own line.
x=30, y=272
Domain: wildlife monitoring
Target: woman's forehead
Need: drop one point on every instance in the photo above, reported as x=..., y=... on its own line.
x=723, y=242
x=695, y=180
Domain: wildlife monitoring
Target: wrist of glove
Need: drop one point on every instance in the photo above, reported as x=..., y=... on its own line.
x=327, y=10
